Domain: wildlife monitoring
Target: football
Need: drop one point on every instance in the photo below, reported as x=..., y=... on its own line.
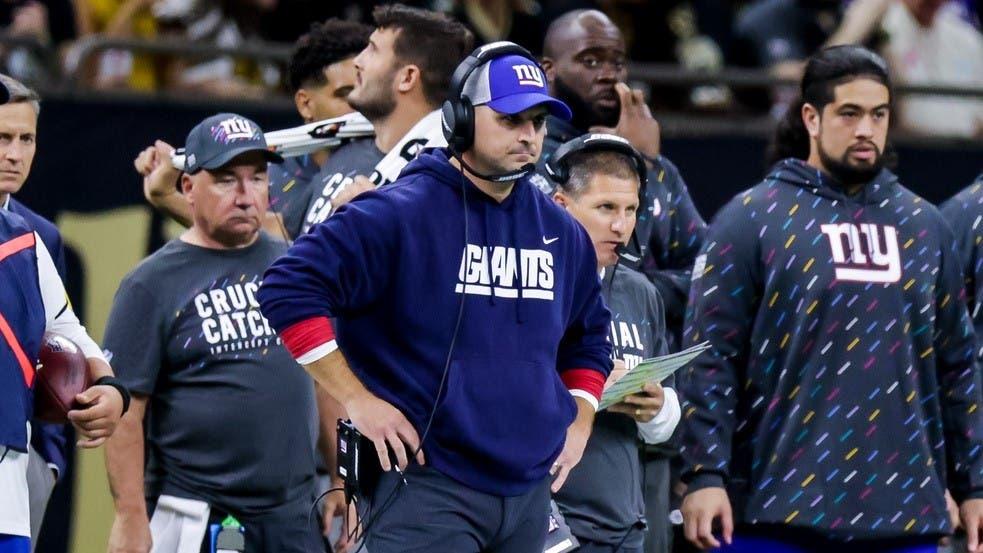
x=62, y=373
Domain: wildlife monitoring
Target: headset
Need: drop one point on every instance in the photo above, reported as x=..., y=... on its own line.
x=558, y=168
x=457, y=112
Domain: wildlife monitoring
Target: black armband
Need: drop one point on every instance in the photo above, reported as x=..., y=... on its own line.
x=115, y=383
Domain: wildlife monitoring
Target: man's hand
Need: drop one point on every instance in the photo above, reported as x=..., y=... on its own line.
x=98, y=419
x=620, y=369
x=573, y=448
x=159, y=175
x=971, y=513
x=635, y=124
x=388, y=429
x=130, y=533
x=700, y=508
x=335, y=506
x=358, y=185
x=643, y=406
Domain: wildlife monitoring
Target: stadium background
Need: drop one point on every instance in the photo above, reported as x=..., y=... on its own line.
x=83, y=178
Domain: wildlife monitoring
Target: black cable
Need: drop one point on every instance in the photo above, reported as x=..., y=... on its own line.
x=310, y=515
x=443, y=380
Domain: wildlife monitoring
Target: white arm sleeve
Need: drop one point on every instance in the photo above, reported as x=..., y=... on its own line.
x=58, y=314
x=661, y=427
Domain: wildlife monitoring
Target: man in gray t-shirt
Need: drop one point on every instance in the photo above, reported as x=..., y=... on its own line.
x=225, y=408
x=598, y=183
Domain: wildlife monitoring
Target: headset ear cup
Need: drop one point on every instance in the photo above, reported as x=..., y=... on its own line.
x=465, y=125
x=449, y=122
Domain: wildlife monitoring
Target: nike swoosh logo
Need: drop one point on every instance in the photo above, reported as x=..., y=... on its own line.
x=550, y=241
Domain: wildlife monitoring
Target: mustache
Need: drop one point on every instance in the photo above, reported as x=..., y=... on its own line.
x=865, y=145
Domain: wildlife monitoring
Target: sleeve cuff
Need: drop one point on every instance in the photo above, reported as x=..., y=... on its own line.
x=583, y=383
x=705, y=480
x=661, y=427
x=310, y=339
x=586, y=396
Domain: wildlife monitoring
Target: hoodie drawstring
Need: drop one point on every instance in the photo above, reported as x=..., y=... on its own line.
x=518, y=263
x=484, y=244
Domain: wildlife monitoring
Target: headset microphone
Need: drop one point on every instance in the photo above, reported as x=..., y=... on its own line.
x=502, y=177
x=558, y=168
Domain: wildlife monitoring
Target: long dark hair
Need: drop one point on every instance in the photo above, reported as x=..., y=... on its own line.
x=825, y=70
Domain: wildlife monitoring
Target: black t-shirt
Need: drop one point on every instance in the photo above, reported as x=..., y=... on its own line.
x=229, y=410
x=358, y=157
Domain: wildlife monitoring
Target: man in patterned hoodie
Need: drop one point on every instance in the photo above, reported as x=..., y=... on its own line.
x=842, y=394
x=964, y=212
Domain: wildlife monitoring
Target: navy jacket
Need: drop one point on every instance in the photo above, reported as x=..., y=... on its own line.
x=23, y=322
x=52, y=441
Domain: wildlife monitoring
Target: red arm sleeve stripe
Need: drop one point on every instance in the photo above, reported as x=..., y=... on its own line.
x=588, y=380
x=306, y=335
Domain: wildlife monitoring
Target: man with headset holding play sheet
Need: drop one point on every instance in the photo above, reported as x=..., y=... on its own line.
x=457, y=315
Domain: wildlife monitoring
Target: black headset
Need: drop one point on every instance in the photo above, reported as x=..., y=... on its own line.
x=558, y=168
x=457, y=113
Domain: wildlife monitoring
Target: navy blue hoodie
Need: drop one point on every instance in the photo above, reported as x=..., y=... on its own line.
x=964, y=212
x=842, y=393
x=390, y=266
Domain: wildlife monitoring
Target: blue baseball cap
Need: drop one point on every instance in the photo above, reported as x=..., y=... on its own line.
x=512, y=84
x=220, y=138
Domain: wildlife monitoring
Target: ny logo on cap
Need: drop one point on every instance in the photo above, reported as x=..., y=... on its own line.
x=529, y=75
x=234, y=128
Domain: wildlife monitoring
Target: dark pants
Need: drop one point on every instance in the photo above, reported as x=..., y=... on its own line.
x=434, y=514
x=655, y=489
x=286, y=531
x=592, y=547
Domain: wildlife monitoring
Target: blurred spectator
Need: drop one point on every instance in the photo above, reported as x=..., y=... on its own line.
x=121, y=19
x=224, y=23
x=520, y=21
x=926, y=43
x=780, y=34
x=49, y=22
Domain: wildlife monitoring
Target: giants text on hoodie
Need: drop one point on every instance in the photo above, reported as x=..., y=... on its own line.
x=390, y=268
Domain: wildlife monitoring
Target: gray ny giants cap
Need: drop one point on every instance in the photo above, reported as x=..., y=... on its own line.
x=220, y=138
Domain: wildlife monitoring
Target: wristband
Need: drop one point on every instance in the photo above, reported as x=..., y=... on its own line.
x=115, y=383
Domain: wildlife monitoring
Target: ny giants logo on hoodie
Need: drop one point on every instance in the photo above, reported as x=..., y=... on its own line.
x=864, y=252
x=505, y=271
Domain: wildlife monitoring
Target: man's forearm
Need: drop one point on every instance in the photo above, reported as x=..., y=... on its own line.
x=125, y=460
x=329, y=411
x=336, y=377
x=98, y=368
x=585, y=415
x=172, y=204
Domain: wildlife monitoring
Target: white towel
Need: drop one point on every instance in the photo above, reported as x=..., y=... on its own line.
x=425, y=134
x=179, y=525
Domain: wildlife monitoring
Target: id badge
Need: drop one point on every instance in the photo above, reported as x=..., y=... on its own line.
x=228, y=537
